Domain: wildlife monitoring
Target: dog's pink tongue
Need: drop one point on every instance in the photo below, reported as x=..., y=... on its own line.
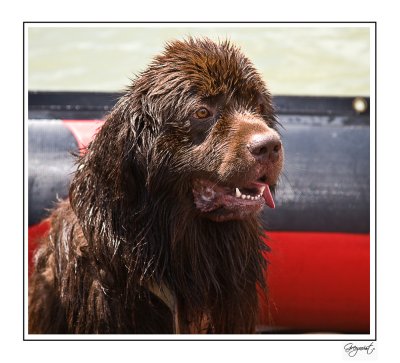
x=269, y=200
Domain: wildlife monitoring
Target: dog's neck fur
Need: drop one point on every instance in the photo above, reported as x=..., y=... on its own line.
x=213, y=271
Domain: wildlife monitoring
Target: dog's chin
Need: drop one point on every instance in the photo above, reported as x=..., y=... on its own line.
x=223, y=214
x=221, y=203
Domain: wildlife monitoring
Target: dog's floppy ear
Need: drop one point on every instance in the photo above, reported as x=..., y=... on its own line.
x=109, y=184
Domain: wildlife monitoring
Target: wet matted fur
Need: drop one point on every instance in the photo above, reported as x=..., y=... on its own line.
x=161, y=232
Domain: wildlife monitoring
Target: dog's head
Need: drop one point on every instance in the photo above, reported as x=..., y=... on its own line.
x=216, y=129
x=213, y=129
x=203, y=130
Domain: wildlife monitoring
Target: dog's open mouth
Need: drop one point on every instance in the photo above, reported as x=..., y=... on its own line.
x=222, y=203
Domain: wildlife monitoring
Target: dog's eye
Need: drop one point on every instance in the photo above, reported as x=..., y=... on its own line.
x=202, y=113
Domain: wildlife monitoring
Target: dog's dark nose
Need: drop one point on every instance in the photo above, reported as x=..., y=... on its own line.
x=265, y=147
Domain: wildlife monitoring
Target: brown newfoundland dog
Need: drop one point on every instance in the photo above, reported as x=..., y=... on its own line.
x=161, y=232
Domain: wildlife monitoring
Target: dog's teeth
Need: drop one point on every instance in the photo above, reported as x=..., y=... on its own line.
x=246, y=196
x=262, y=190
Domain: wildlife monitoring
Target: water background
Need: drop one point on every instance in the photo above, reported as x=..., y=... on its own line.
x=333, y=61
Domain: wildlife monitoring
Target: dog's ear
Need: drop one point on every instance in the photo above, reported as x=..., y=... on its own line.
x=109, y=186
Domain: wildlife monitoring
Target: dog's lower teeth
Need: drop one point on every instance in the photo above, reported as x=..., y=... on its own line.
x=239, y=194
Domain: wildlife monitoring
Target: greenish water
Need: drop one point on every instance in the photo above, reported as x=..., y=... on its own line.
x=293, y=61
